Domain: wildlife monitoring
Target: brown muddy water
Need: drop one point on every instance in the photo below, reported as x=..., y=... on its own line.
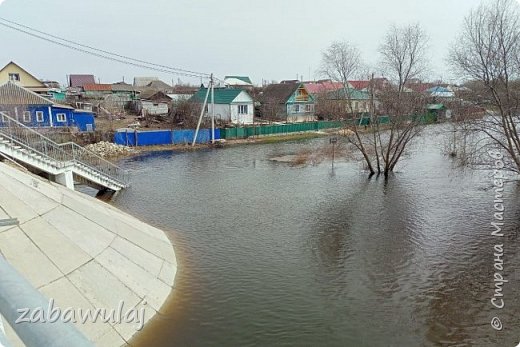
x=275, y=255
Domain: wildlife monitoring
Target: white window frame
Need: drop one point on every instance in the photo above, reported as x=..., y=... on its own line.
x=27, y=118
x=243, y=109
x=61, y=117
x=39, y=116
x=297, y=108
x=17, y=75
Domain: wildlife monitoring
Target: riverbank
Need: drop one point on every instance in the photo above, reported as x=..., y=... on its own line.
x=135, y=151
x=85, y=254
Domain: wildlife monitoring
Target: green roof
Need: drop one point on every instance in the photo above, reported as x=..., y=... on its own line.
x=222, y=95
x=354, y=94
x=242, y=78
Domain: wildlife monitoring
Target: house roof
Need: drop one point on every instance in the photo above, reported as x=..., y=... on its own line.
x=12, y=94
x=159, y=85
x=280, y=92
x=435, y=107
x=40, y=83
x=94, y=87
x=360, y=85
x=353, y=94
x=238, y=80
x=81, y=80
x=222, y=95
x=122, y=87
x=144, y=81
x=379, y=83
x=322, y=86
x=151, y=94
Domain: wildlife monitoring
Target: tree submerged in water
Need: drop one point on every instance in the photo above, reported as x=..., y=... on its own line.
x=488, y=54
x=395, y=112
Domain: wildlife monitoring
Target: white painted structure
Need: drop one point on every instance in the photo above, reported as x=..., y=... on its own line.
x=239, y=111
x=84, y=254
x=154, y=108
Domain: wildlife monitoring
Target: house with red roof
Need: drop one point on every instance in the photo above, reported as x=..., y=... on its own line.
x=97, y=91
x=78, y=81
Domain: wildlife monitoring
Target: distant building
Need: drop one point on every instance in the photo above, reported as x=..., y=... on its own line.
x=36, y=111
x=97, y=91
x=15, y=73
x=154, y=103
x=346, y=102
x=288, y=101
x=78, y=81
x=182, y=93
x=140, y=82
x=441, y=92
x=238, y=82
x=323, y=86
x=379, y=83
x=231, y=105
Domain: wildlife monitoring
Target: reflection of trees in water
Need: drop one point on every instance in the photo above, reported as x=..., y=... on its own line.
x=362, y=246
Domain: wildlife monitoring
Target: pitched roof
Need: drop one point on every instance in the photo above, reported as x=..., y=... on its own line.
x=122, y=87
x=354, y=94
x=241, y=80
x=151, y=94
x=27, y=72
x=94, y=87
x=12, y=94
x=81, y=80
x=159, y=85
x=280, y=92
x=222, y=95
x=144, y=81
x=359, y=85
x=322, y=86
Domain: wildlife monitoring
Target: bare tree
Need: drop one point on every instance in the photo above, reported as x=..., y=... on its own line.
x=487, y=52
x=403, y=57
x=184, y=113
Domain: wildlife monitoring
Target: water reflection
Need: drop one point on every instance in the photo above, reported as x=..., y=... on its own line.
x=277, y=255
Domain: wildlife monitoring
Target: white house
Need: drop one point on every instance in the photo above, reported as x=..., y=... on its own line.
x=231, y=105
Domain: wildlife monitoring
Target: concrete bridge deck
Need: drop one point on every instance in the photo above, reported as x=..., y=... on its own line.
x=83, y=253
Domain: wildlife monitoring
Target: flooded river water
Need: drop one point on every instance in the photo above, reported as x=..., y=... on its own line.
x=275, y=255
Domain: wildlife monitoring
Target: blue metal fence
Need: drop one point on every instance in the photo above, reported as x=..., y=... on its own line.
x=129, y=137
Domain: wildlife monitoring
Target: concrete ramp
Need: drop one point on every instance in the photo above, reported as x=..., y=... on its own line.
x=84, y=253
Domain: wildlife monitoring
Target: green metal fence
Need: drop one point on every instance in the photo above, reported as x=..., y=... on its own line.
x=279, y=129
x=291, y=128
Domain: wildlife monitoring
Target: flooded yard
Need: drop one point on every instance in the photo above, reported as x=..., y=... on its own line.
x=272, y=254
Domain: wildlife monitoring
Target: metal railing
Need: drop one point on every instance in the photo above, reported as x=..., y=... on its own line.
x=60, y=155
x=16, y=293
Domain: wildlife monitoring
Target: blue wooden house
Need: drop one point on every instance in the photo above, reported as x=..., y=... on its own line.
x=36, y=111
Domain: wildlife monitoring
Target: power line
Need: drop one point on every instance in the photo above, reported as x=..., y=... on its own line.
x=103, y=54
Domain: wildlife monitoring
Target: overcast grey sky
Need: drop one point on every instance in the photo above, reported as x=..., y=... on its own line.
x=269, y=39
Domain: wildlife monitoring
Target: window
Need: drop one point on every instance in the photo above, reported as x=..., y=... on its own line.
x=27, y=116
x=60, y=117
x=39, y=116
x=297, y=108
x=242, y=109
x=15, y=77
x=309, y=108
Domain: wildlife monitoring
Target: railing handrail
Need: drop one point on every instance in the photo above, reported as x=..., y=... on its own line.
x=119, y=175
